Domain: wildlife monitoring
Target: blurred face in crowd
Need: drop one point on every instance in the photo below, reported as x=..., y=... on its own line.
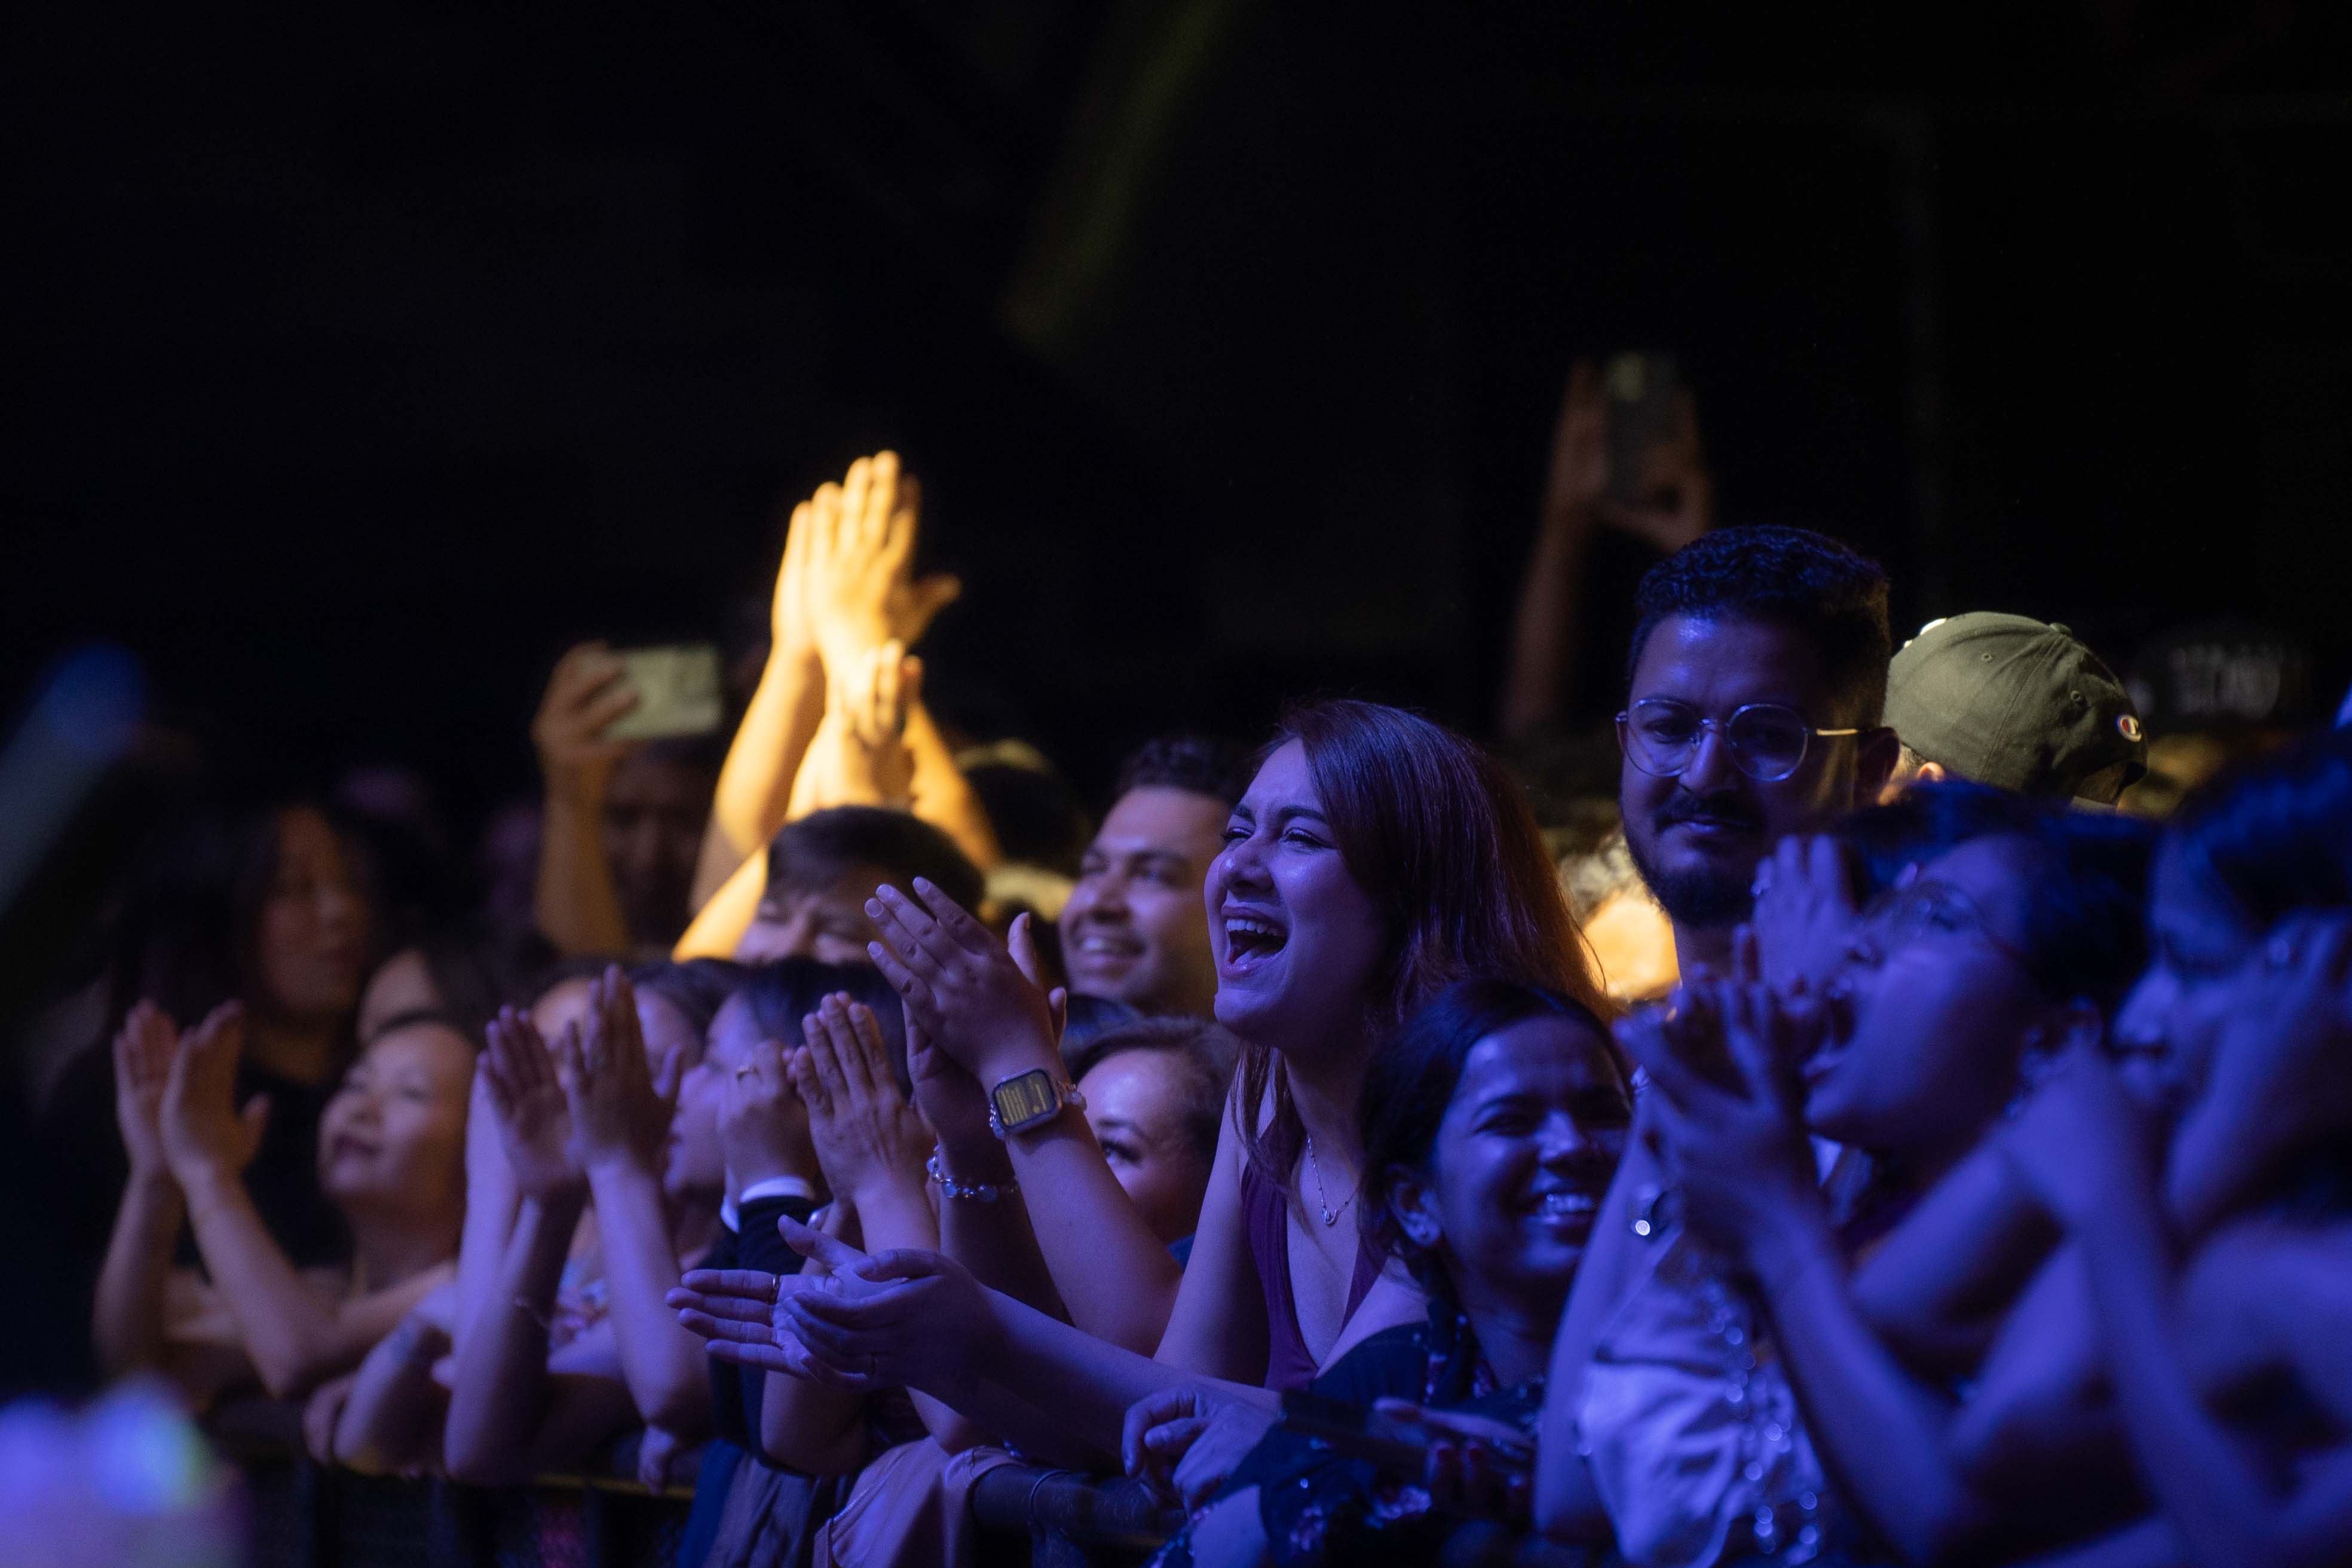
x=825, y=920
x=393, y=1139
x=691, y=1166
x=1697, y=836
x=1132, y=930
x=401, y=984
x=655, y=809
x=1297, y=943
x=310, y=947
x=1135, y=1103
x=1533, y=1132
x=2168, y=1027
x=697, y=1164
x=559, y=1006
x=1930, y=1018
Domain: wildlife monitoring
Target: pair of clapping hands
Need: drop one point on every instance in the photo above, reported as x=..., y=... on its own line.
x=975, y=1014
x=590, y=1098
x=175, y=1094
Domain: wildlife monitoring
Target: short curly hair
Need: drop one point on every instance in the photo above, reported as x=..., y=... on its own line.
x=1791, y=575
x=1218, y=769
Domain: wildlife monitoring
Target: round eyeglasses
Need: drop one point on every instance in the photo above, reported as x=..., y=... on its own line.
x=1768, y=742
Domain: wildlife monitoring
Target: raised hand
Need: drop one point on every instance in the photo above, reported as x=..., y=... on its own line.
x=1805, y=917
x=2280, y=1074
x=143, y=1048
x=1576, y=490
x=955, y=1107
x=202, y=1131
x=869, y=694
x=860, y=588
x=959, y=983
x=526, y=1103
x=868, y=1137
x=621, y=1108
x=1737, y=1147
x=585, y=693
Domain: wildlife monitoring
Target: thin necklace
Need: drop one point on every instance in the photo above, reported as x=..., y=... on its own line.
x=1330, y=1214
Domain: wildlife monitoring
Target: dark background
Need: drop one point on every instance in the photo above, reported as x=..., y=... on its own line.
x=365, y=355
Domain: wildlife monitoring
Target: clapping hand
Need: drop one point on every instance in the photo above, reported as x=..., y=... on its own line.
x=869, y=694
x=1805, y=917
x=621, y=1108
x=143, y=1048
x=863, y=1322
x=2280, y=1074
x=860, y=586
x=1184, y=1442
x=961, y=986
x=526, y=1102
x=2082, y=1140
x=203, y=1132
x=1728, y=1112
x=868, y=1137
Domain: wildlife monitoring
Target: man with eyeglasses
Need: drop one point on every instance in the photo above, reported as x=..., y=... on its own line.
x=1755, y=691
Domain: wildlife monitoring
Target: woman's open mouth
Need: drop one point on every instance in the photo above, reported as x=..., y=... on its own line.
x=1251, y=941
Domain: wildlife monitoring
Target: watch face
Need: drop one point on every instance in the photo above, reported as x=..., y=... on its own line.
x=1020, y=1100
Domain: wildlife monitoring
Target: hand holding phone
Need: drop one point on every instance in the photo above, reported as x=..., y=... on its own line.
x=677, y=689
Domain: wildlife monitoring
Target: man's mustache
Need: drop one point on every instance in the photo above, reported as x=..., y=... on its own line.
x=1730, y=810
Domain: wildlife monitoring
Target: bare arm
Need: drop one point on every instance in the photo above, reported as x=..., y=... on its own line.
x=620, y=1120
x=727, y=914
x=501, y=1398
x=1935, y=1289
x=755, y=783
x=128, y=1330
x=295, y=1336
x=392, y=1421
x=944, y=797
x=963, y=990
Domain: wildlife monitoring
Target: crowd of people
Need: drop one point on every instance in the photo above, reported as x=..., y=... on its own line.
x=1857, y=1141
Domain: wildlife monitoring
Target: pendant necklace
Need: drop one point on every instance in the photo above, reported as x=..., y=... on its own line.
x=1330, y=1215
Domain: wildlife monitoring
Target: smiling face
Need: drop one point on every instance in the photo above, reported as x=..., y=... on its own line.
x=1297, y=943
x=826, y=923
x=1135, y=1103
x=1932, y=1010
x=1697, y=837
x=1132, y=930
x=393, y=1139
x=312, y=942
x=1528, y=1143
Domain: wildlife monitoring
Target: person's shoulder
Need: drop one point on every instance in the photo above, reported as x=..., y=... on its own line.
x=1390, y=1364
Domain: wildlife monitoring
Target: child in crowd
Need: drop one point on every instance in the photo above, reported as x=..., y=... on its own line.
x=391, y=1158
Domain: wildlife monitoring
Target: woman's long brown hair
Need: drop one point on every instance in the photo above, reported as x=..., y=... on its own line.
x=1441, y=840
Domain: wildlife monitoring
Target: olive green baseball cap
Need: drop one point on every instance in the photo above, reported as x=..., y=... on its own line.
x=2016, y=702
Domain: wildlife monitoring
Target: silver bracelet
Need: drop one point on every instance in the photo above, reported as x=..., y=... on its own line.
x=978, y=1193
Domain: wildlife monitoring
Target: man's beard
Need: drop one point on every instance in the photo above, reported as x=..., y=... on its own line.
x=1706, y=895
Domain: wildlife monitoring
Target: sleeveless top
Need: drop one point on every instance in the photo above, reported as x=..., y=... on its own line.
x=1289, y=1364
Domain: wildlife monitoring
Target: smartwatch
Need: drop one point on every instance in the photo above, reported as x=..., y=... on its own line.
x=1028, y=1100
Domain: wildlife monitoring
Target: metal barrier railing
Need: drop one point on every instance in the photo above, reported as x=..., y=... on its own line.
x=307, y=1515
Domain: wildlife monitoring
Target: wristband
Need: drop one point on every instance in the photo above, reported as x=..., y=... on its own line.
x=978, y=1191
